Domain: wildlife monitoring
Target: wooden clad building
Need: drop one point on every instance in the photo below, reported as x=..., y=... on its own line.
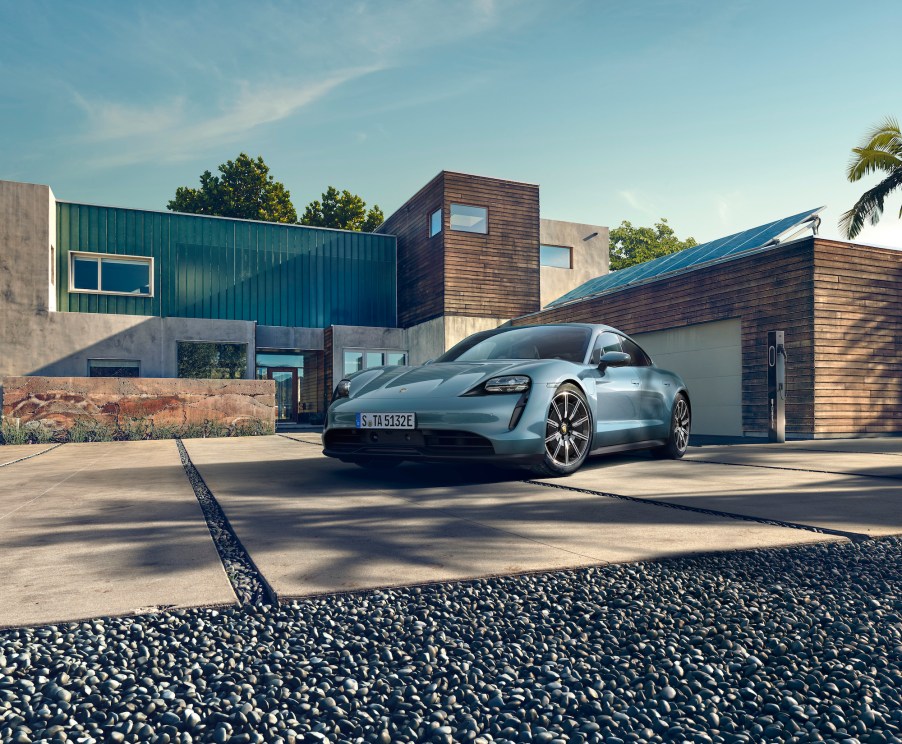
x=840, y=305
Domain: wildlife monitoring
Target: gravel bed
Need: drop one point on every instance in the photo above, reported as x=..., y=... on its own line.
x=800, y=644
x=247, y=582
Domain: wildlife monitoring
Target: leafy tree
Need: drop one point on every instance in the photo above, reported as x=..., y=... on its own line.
x=342, y=210
x=634, y=245
x=881, y=152
x=244, y=190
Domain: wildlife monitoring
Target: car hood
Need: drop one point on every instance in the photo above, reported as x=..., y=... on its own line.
x=441, y=379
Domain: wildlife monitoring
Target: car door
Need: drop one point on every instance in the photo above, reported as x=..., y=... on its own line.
x=651, y=409
x=616, y=414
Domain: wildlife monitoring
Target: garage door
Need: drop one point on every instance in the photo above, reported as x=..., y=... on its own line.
x=708, y=357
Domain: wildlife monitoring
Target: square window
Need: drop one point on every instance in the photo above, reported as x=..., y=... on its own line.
x=211, y=360
x=465, y=218
x=374, y=359
x=435, y=223
x=557, y=256
x=125, y=276
x=396, y=358
x=85, y=273
x=353, y=362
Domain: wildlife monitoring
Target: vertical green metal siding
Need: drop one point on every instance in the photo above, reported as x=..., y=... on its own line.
x=227, y=269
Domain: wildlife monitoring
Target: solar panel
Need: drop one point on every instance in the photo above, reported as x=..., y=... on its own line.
x=690, y=258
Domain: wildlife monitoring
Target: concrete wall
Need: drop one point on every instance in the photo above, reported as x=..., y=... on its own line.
x=427, y=340
x=590, y=251
x=123, y=403
x=708, y=356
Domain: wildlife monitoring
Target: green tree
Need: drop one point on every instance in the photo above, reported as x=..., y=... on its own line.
x=881, y=152
x=634, y=245
x=244, y=190
x=342, y=210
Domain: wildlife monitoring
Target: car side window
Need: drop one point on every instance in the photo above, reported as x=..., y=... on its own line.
x=638, y=358
x=605, y=342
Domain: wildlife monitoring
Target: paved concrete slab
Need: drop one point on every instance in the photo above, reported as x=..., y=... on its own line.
x=11, y=453
x=822, y=460
x=868, y=445
x=835, y=500
x=103, y=529
x=313, y=524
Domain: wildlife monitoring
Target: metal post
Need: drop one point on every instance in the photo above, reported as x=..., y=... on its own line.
x=776, y=387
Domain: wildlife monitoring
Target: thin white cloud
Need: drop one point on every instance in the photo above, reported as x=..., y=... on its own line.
x=632, y=198
x=173, y=132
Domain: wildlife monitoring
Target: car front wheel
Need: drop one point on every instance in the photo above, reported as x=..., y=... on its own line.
x=568, y=433
x=678, y=439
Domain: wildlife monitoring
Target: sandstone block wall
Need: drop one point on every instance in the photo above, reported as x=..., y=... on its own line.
x=118, y=403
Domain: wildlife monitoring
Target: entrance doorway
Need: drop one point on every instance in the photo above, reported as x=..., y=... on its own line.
x=286, y=379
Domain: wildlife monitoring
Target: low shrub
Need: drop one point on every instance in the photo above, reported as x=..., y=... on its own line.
x=12, y=431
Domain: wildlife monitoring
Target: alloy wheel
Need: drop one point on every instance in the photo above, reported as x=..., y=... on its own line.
x=567, y=429
x=681, y=424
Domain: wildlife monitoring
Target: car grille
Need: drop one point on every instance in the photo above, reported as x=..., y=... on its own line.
x=409, y=443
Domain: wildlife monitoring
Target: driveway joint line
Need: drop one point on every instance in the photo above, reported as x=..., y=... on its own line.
x=795, y=470
x=28, y=457
x=301, y=441
x=246, y=579
x=853, y=536
x=49, y=488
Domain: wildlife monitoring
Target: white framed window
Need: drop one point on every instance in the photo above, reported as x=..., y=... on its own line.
x=109, y=273
x=557, y=256
x=467, y=218
x=435, y=223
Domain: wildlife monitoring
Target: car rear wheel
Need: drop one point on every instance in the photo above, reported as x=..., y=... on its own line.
x=568, y=433
x=678, y=439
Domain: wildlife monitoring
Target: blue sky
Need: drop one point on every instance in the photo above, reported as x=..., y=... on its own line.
x=718, y=116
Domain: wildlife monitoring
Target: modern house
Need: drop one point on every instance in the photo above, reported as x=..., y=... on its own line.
x=103, y=291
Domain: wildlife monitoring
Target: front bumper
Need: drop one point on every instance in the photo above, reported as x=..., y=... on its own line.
x=463, y=428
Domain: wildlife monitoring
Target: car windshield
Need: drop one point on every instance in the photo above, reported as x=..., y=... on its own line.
x=540, y=342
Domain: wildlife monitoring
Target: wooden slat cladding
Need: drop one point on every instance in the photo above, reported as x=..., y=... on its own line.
x=328, y=372
x=858, y=325
x=421, y=270
x=773, y=290
x=494, y=275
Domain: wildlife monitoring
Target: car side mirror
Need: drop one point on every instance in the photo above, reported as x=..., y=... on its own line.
x=613, y=359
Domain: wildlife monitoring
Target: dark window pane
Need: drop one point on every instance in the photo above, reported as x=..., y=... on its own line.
x=435, y=223
x=84, y=273
x=113, y=368
x=132, y=277
x=469, y=219
x=210, y=360
x=555, y=255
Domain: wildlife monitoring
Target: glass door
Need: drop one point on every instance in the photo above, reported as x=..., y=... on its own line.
x=286, y=379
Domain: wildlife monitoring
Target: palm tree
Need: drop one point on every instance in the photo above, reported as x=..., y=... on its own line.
x=881, y=151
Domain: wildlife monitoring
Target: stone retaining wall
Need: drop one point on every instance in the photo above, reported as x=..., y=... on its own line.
x=120, y=403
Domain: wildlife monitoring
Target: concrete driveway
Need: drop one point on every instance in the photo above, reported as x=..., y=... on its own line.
x=115, y=528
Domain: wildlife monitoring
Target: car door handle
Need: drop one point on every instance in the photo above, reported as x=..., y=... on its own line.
x=636, y=383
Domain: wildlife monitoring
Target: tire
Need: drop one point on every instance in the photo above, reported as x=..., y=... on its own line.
x=378, y=463
x=568, y=433
x=678, y=438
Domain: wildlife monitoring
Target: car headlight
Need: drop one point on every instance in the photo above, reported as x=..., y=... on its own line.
x=342, y=390
x=507, y=384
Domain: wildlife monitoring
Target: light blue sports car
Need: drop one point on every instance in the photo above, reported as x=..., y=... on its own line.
x=543, y=396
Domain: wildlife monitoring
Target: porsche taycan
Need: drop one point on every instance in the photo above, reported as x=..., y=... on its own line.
x=545, y=397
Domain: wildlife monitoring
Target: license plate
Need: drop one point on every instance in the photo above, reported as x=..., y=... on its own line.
x=386, y=421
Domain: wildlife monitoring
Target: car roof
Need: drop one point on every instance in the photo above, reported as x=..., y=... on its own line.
x=590, y=326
